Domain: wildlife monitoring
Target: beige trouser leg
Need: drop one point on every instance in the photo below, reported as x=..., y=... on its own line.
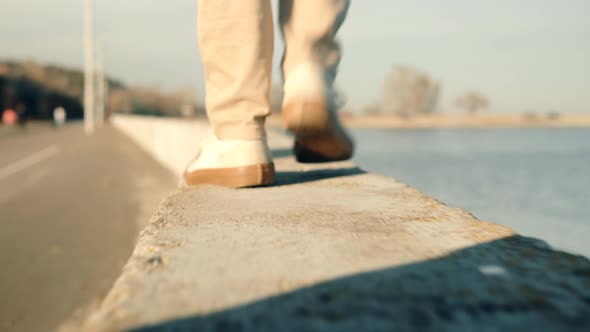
x=236, y=43
x=309, y=28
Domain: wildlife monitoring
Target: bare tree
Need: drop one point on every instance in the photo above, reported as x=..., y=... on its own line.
x=408, y=91
x=472, y=102
x=276, y=98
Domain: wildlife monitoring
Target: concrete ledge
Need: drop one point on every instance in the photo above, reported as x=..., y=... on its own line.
x=170, y=141
x=332, y=248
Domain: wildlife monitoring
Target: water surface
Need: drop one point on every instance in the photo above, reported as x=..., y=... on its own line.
x=535, y=181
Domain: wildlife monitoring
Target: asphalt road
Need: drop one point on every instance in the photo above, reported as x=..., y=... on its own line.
x=71, y=207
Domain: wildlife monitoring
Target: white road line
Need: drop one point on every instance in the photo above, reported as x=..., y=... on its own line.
x=29, y=161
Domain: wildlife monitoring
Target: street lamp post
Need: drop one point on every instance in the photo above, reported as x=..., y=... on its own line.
x=89, y=83
x=100, y=85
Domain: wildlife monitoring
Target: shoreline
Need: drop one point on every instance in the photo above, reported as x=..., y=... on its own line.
x=577, y=120
x=460, y=121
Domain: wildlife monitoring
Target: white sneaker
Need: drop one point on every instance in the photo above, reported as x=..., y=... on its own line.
x=234, y=164
x=310, y=110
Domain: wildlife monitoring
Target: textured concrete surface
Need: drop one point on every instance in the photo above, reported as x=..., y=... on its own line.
x=331, y=248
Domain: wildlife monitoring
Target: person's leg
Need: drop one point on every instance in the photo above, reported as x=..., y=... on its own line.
x=309, y=66
x=236, y=44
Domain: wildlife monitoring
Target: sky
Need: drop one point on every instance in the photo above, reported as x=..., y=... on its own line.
x=525, y=55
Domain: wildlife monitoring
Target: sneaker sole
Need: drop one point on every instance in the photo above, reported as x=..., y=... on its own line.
x=317, y=140
x=234, y=177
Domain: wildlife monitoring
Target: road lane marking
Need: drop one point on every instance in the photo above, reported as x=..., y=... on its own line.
x=29, y=161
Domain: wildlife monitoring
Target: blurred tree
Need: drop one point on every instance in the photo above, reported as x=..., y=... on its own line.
x=276, y=98
x=120, y=101
x=42, y=88
x=371, y=109
x=472, y=102
x=150, y=100
x=409, y=91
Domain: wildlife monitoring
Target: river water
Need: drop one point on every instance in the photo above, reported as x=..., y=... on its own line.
x=535, y=181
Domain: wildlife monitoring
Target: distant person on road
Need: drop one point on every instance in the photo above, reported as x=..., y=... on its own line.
x=21, y=112
x=236, y=43
x=59, y=117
